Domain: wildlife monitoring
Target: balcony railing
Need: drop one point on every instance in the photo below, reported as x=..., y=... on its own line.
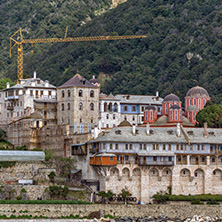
x=156, y=163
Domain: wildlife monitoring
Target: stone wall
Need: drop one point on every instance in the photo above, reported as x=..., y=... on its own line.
x=59, y=210
x=145, y=181
x=24, y=171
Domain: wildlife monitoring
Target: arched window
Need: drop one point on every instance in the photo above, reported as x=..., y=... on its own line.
x=134, y=108
x=175, y=114
x=125, y=108
x=166, y=107
x=125, y=118
x=91, y=106
x=68, y=106
x=151, y=115
x=80, y=93
x=110, y=107
x=115, y=107
x=69, y=93
x=105, y=107
x=194, y=102
x=63, y=93
x=63, y=106
x=91, y=93
x=80, y=106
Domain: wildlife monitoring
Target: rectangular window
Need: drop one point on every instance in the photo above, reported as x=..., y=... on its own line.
x=110, y=146
x=141, y=146
x=154, y=146
x=154, y=158
x=16, y=92
x=104, y=146
x=117, y=146
x=181, y=146
x=31, y=92
x=126, y=146
x=177, y=146
x=50, y=93
x=131, y=146
x=126, y=158
x=111, y=158
x=164, y=147
x=169, y=146
x=41, y=93
x=144, y=146
x=202, y=147
x=170, y=158
x=191, y=146
x=198, y=147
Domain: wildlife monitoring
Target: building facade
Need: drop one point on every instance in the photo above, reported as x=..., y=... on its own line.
x=78, y=104
x=154, y=159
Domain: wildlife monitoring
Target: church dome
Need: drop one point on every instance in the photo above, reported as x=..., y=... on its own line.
x=175, y=107
x=150, y=107
x=171, y=98
x=94, y=80
x=197, y=91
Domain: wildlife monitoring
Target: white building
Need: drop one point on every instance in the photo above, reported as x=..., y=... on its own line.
x=18, y=101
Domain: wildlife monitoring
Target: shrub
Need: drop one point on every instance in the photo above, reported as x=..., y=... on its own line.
x=197, y=202
x=19, y=197
x=51, y=176
x=23, y=190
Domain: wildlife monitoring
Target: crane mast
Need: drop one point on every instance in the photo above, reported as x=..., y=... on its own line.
x=14, y=42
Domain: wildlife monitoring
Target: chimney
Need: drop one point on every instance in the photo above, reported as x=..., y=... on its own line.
x=178, y=129
x=147, y=129
x=96, y=132
x=34, y=75
x=205, y=129
x=46, y=83
x=134, y=130
x=7, y=85
x=157, y=94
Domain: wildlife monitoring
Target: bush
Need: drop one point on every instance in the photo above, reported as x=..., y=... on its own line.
x=197, y=202
x=51, y=176
x=43, y=202
x=23, y=190
x=19, y=197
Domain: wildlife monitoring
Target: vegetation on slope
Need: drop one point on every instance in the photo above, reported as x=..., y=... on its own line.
x=183, y=48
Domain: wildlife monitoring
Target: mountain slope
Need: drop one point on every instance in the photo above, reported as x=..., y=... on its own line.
x=183, y=49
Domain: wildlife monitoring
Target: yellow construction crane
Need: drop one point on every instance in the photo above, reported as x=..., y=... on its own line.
x=47, y=40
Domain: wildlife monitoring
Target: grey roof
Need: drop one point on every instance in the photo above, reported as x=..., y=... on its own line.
x=160, y=135
x=197, y=91
x=175, y=107
x=28, y=83
x=77, y=80
x=18, y=155
x=163, y=120
x=193, y=108
x=138, y=99
x=171, y=97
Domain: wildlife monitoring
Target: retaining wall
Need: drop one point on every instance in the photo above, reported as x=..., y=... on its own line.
x=54, y=211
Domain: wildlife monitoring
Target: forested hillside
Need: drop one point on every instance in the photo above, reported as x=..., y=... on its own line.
x=183, y=48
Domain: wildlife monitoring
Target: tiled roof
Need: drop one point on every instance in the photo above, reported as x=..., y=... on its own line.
x=139, y=99
x=77, y=80
x=161, y=135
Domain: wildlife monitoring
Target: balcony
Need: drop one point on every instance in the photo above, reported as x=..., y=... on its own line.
x=156, y=163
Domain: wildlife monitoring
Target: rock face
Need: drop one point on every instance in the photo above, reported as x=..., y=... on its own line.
x=117, y=2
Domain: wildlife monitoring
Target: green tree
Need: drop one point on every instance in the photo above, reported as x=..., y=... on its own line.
x=51, y=176
x=105, y=195
x=212, y=115
x=124, y=194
